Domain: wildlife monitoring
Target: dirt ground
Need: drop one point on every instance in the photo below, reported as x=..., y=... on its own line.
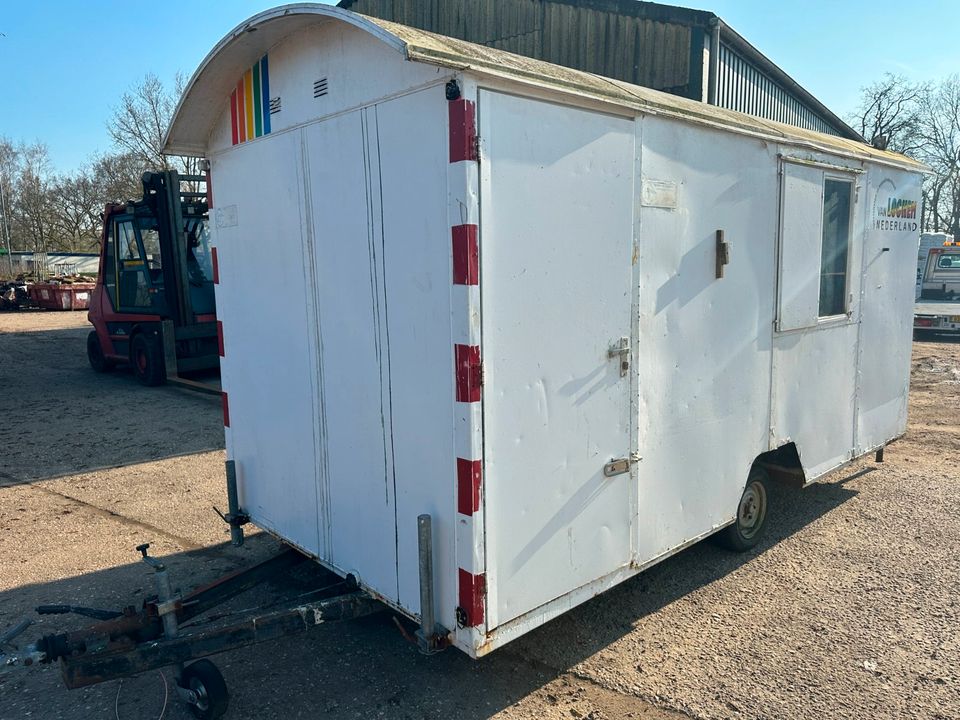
x=848, y=609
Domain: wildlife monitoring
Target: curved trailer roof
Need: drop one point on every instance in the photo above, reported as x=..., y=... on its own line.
x=207, y=92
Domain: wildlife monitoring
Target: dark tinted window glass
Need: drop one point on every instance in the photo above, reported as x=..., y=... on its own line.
x=837, y=195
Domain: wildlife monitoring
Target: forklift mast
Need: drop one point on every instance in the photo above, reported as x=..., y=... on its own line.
x=171, y=206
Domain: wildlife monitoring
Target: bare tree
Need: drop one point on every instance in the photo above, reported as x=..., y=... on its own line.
x=8, y=164
x=117, y=176
x=921, y=120
x=889, y=114
x=76, y=206
x=939, y=131
x=140, y=122
x=33, y=208
x=43, y=211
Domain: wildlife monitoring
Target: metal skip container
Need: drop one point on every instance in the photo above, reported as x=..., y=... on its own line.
x=567, y=320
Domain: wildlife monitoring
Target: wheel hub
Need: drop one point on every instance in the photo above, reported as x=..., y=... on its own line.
x=753, y=508
x=202, y=702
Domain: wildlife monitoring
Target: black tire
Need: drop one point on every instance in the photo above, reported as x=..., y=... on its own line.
x=745, y=532
x=146, y=359
x=205, y=680
x=98, y=362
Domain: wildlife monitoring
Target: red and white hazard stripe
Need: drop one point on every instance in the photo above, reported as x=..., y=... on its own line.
x=463, y=212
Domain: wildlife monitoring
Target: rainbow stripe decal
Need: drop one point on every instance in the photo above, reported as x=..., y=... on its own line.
x=250, y=104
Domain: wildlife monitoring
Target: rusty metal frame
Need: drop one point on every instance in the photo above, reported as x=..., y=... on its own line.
x=135, y=641
x=92, y=668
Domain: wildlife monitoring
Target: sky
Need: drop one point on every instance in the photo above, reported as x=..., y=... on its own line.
x=73, y=59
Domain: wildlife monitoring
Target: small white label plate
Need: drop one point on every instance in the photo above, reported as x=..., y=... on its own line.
x=658, y=193
x=227, y=216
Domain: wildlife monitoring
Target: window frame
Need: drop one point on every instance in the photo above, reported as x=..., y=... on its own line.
x=110, y=264
x=940, y=259
x=796, y=173
x=851, y=180
x=142, y=271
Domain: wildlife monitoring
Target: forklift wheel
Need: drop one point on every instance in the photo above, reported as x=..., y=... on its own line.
x=205, y=680
x=747, y=529
x=98, y=362
x=146, y=358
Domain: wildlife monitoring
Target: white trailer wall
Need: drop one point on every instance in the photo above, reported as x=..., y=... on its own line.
x=704, y=350
x=339, y=232
x=886, y=325
x=814, y=367
x=343, y=432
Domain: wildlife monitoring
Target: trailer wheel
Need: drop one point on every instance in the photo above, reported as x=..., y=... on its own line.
x=205, y=680
x=146, y=358
x=745, y=532
x=95, y=355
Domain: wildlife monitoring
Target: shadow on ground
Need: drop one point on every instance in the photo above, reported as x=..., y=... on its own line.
x=365, y=668
x=61, y=418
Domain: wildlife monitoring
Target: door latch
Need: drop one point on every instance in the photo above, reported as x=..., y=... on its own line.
x=620, y=465
x=621, y=351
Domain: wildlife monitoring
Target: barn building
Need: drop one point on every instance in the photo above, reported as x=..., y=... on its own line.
x=658, y=46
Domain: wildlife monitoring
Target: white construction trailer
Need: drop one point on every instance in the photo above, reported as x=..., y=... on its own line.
x=571, y=323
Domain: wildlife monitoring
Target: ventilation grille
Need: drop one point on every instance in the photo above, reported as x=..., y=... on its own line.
x=275, y=105
x=320, y=87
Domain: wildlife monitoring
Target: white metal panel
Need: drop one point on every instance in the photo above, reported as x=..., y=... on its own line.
x=705, y=342
x=262, y=302
x=800, y=230
x=814, y=386
x=356, y=459
x=339, y=53
x=411, y=136
x=814, y=395
x=887, y=308
x=556, y=215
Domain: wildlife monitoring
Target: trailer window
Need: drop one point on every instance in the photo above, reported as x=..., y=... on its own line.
x=949, y=262
x=834, y=247
x=816, y=230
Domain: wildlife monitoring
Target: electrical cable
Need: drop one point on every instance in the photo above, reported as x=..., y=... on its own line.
x=166, y=696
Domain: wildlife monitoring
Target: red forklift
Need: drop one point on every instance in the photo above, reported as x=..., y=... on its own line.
x=153, y=306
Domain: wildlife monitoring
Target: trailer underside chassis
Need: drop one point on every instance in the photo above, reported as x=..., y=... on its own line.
x=169, y=631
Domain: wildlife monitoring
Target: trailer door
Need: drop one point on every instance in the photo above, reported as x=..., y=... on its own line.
x=887, y=309
x=556, y=239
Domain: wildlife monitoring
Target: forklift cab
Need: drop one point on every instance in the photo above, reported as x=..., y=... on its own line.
x=134, y=274
x=154, y=305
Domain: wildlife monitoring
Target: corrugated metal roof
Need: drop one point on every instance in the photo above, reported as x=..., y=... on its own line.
x=428, y=47
x=203, y=101
x=643, y=43
x=650, y=48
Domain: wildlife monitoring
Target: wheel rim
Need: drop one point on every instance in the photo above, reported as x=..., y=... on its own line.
x=203, y=701
x=752, y=510
x=142, y=360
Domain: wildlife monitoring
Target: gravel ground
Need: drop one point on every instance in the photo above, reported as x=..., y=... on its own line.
x=848, y=609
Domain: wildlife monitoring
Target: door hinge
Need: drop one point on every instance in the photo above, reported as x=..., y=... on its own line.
x=621, y=351
x=476, y=148
x=620, y=465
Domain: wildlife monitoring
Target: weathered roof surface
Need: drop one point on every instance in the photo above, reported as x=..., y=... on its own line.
x=644, y=43
x=209, y=88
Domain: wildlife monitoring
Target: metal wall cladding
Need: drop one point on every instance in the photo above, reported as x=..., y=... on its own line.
x=742, y=86
x=637, y=50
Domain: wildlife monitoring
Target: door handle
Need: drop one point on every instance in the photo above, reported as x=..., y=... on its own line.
x=621, y=351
